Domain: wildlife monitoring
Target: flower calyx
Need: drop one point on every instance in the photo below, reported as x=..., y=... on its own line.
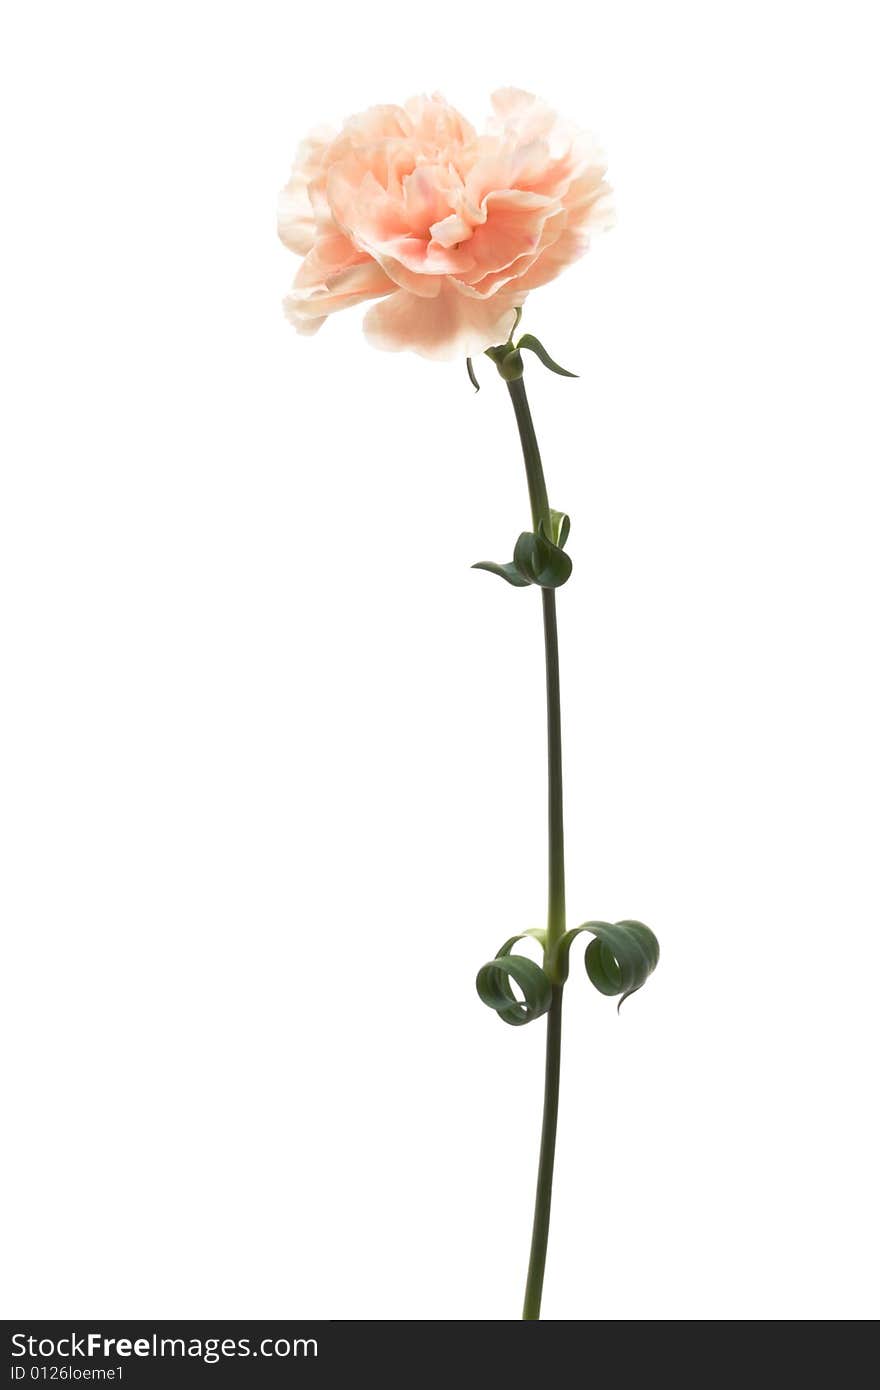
x=509, y=360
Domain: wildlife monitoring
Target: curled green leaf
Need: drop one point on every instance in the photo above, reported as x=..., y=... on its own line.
x=534, y=933
x=540, y=561
x=531, y=344
x=618, y=960
x=493, y=984
x=536, y=558
x=560, y=525
x=472, y=374
x=508, y=572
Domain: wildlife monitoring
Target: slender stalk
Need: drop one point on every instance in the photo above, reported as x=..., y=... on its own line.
x=556, y=856
x=555, y=837
x=544, y=1190
x=531, y=452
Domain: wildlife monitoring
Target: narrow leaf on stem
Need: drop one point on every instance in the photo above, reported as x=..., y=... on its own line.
x=531, y=344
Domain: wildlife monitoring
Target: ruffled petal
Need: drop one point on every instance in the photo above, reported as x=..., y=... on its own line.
x=308, y=304
x=296, y=220
x=438, y=125
x=450, y=326
x=494, y=281
x=297, y=225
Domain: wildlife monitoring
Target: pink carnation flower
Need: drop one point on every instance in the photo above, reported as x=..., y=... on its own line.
x=448, y=230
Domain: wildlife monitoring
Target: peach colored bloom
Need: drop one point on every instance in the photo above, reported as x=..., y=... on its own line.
x=447, y=229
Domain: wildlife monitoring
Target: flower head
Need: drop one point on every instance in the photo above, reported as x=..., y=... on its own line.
x=448, y=230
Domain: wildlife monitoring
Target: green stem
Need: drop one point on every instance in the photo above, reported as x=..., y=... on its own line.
x=556, y=839
x=531, y=453
x=556, y=877
x=544, y=1191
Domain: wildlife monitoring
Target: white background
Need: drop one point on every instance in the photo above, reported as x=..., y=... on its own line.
x=272, y=754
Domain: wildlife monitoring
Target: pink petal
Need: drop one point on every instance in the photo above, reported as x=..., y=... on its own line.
x=444, y=328
x=296, y=220
x=307, y=306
